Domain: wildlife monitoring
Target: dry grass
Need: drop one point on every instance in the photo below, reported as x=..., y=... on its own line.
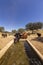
x=38, y=43
x=4, y=41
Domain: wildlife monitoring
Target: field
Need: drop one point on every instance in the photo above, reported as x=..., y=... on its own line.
x=38, y=43
x=15, y=55
x=4, y=41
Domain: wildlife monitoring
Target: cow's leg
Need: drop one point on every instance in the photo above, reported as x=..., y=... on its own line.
x=15, y=40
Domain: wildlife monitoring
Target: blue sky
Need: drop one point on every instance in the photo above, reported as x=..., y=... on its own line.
x=16, y=14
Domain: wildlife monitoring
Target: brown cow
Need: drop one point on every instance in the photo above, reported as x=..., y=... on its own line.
x=24, y=35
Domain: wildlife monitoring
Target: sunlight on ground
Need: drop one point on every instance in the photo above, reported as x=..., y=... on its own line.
x=4, y=41
x=36, y=42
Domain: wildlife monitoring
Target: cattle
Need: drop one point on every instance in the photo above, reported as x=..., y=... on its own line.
x=4, y=35
x=39, y=34
x=17, y=37
x=20, y=36
x=24, y=35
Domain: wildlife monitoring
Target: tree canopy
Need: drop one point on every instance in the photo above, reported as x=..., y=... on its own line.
x=21, y=30
x=34, y=26
x=2, y=29
x=14, y=31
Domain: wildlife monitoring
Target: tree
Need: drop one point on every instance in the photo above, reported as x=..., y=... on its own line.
x=39, y=25
x=6, y=31
x=21, y=30
x=14, y=31
x=34, y=26
x=30, y=26
x=2, y=29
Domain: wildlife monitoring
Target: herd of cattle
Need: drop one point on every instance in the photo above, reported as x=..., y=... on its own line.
x=23, y=35
x=20, y=35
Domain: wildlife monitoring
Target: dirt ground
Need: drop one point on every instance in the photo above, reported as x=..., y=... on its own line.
x=37, y=42
x=4, y=41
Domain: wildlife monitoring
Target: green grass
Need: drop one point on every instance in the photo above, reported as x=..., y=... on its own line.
x=16, y=55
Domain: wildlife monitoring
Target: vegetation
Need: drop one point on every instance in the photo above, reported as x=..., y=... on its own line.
x=14, y=31
x=39, y=25
x=34, y=26
x=21, y=30
x=15, y=55
x=2, y=29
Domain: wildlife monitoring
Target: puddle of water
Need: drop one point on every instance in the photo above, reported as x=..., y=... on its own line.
x=33, y=57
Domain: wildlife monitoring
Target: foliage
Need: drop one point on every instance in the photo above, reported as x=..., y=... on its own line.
x=14, y=31
x=21, y=30
x=34, y=26
x=1, y=29
x=39, y=25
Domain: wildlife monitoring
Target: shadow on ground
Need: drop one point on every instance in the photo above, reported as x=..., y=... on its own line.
x=33, y=57
x=40, y=39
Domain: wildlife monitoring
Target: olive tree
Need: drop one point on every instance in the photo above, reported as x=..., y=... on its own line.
x=34, y=26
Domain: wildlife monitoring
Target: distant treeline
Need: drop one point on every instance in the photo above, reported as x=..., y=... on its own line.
x=28, y=26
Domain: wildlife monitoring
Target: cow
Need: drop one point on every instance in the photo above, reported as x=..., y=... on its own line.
x=4, y=35
x=19, y=36
x=39, y=34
